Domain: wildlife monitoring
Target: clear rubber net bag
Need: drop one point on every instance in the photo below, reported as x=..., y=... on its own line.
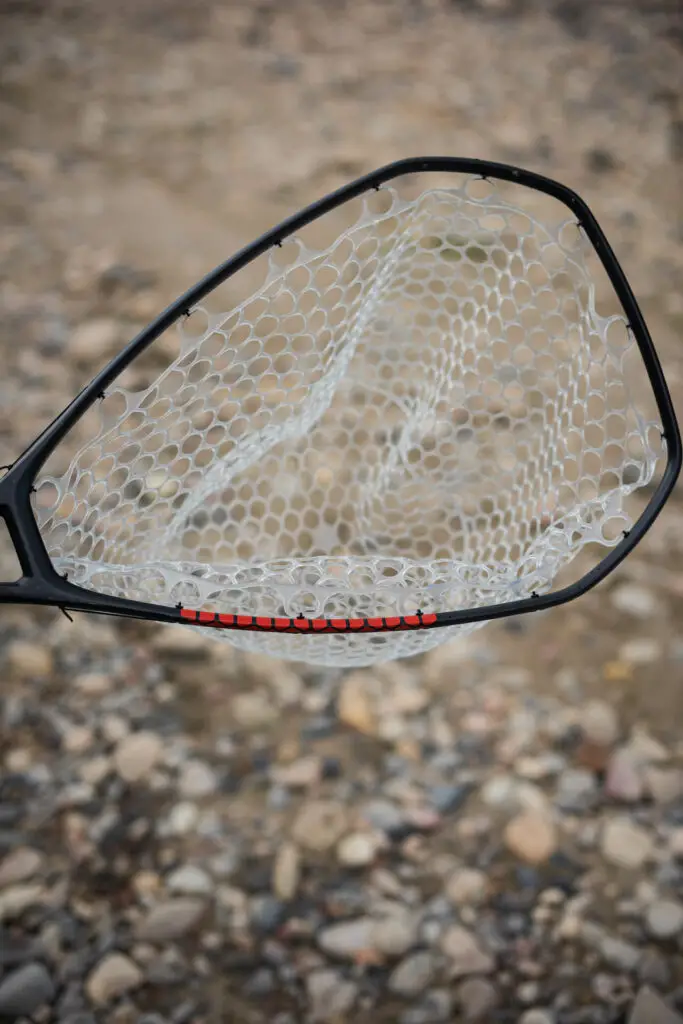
x=419, y=402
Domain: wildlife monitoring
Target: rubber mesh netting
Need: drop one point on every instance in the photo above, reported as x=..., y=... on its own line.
x=428, y=413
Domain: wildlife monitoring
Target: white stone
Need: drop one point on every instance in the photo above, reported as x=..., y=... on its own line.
x=77, y=739
x=319, y=825
x=197, y=780
x=501, y=792
x=299, y=774
x=357, y=849
x=253, y=710
x=189, y=880
x=357, y=702
x=113, y=976
x=29, y=660
x=114, y=728
x=665, y=785
x=467, y=886
x=284, y=683
x=93, y=684
x=635, y=600
x=182, y=818
x=171, y=920
x=137, y=754
x=641, y=651
x=537, y=1016
x=286, y=871
x=600, y=723
x=182, y=640
x=624, y=780
x=625, y=844
x=15, y=899
x=348, y=938
x=544, y=766
x=93, y=340
x=95, y=770
x=19, y=865
x=645, y=748
x=441, y=665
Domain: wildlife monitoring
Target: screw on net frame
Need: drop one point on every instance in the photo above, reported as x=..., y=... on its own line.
x=405, y=411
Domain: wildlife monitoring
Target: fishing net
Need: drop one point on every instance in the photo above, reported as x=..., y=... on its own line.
x=428, y=413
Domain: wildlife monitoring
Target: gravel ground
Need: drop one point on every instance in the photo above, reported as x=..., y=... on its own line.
x=493, y=832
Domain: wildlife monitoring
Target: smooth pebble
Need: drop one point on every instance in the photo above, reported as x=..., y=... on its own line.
x=113, y=976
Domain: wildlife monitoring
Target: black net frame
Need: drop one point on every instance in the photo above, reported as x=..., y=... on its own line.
x=41, y=584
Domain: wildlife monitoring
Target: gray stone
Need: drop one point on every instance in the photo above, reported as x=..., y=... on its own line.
x=169, y=968
x=464, y=953
x=650, y=1009
x=618, y=953
x=435, y=1007
x=171, y=920
x=664, y=919
x=394, y=934
x=655, y=970
x=449, y=798
x=329, y=994
x=383, y=815
x=24, y=990
x=577, y=790
x=414, y=974
x=260, y=983
x=665, y=785
x=266, y=913
x=477, y=998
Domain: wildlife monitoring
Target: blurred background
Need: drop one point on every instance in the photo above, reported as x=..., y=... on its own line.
x=493, y=832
